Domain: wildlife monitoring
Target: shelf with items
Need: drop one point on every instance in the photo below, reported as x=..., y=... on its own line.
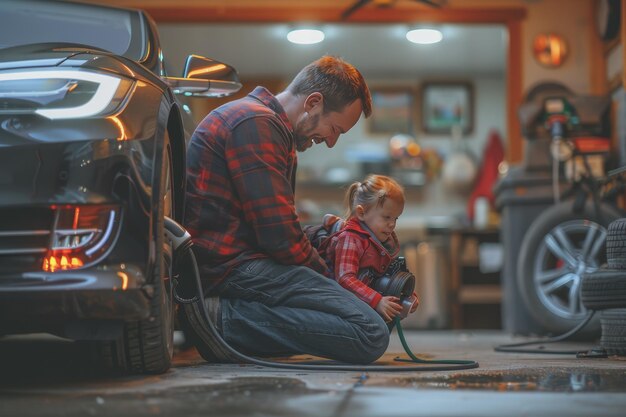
x=474, y=289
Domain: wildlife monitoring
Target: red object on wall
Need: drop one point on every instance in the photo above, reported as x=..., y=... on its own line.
x=488, y=174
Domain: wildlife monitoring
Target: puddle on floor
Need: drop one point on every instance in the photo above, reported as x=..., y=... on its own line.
x=545, y=379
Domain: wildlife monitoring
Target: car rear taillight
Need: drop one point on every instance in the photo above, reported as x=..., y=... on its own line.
x=81, y=235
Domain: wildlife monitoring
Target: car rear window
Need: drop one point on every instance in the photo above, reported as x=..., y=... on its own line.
x=119, y=31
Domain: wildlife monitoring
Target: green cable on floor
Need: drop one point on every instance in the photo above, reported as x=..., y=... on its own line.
x=415, y=359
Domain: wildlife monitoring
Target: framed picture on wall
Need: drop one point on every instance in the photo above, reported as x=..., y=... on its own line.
x=447, y=104
x=393, y=111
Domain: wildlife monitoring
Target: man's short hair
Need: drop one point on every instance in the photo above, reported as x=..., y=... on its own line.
x=339, y=82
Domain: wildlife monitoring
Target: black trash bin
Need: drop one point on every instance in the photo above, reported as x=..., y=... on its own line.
x=521, y=196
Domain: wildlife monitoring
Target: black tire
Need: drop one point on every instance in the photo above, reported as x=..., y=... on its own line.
x=616, y=244
x=613, y=338
x=604, y=289
x=559, y=246
x=147, y=346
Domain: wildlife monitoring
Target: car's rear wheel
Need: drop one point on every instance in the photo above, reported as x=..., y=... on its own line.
x=147, y=345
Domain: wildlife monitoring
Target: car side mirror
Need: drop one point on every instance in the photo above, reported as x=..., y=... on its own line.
x=206, y=78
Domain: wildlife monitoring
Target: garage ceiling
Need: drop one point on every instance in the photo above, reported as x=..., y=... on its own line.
x=260, y=49
x=378, y=50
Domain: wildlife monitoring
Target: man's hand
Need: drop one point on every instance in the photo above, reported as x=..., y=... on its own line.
x=388, y=307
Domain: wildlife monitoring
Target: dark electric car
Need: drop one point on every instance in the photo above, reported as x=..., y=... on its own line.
x=92, y=147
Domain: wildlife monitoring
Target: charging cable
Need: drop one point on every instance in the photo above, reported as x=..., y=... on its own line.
x=415, y=359
x=593, y=353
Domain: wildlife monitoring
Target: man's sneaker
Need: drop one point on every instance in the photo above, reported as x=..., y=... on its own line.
x=206, y=342
x=214, y=310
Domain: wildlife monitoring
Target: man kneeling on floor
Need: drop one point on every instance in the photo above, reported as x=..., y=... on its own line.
x=274, y=299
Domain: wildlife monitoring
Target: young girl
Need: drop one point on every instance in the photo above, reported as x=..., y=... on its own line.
x=362, y=249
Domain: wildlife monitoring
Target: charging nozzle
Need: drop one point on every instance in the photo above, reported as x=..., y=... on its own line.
x=407, y=305
x=176, y=234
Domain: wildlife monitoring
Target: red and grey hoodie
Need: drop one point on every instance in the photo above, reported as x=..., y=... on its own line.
x=355, y=257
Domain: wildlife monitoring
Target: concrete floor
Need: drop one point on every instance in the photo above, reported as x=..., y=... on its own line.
x=49, y=378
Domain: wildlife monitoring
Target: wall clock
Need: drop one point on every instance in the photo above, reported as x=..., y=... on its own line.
x=550, y=49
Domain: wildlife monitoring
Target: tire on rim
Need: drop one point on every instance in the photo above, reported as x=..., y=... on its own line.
x=559, y=247
x=147, y=346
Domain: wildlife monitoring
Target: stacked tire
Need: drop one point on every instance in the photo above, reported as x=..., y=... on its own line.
x=604, y=290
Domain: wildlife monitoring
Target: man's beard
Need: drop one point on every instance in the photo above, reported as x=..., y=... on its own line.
x=303, y=130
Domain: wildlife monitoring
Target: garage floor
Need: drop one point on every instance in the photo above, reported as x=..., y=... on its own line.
x=48, y=377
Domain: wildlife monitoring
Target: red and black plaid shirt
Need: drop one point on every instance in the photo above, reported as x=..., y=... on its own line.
x=241, y=165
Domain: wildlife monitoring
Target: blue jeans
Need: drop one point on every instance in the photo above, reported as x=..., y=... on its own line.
x=273, y=309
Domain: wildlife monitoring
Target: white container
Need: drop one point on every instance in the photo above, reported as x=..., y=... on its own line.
x=481, y=213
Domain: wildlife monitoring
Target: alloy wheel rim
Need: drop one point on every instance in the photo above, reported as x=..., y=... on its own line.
x=568, y=251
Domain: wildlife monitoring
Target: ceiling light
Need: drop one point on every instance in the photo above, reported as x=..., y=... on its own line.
x=305, y=36
x=424, y=36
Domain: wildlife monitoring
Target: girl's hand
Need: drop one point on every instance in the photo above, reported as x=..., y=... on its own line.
x=388, y=307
